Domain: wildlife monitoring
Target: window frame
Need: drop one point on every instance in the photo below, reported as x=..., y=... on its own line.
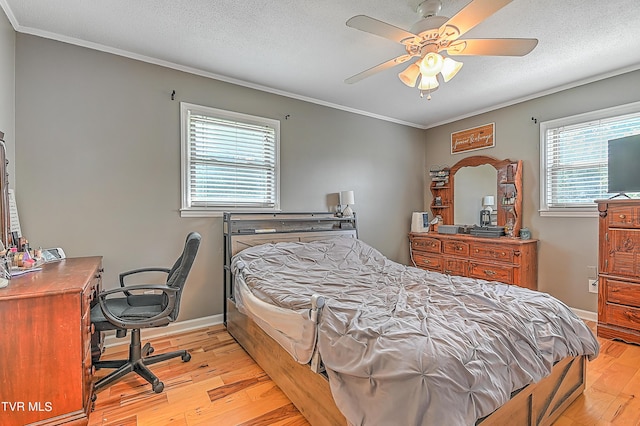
x=601, y=114
x=187, y=210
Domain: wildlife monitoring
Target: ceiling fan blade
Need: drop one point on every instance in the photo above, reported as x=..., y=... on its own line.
x=379, y=28
x=492, y=47
x=470, y=16
x=383, y=66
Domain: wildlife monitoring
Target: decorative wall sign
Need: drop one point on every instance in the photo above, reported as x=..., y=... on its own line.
x=473, y=139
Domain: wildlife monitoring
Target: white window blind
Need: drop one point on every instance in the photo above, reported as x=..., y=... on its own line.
x=574, y=154
x=230, y=160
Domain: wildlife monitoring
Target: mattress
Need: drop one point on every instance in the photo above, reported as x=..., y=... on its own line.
x=402, y=345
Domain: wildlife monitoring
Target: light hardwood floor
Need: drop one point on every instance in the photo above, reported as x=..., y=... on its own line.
x=221, y=385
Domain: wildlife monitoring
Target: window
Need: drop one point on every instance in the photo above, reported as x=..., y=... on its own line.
x=230, y=161
x=573, y=158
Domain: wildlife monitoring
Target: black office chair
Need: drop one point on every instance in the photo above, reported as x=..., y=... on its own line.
x=136, y=311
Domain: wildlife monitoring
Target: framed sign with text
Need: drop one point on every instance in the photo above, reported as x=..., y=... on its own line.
x=471, y=139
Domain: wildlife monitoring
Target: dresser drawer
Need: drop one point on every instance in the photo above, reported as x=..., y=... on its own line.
x=459, y=248
x=623, y=316
x=455, y=267
x=493, y=252
x=623, y=216
x=485, y=271
x=424, y=261
x=431, y=245
x=622, y=293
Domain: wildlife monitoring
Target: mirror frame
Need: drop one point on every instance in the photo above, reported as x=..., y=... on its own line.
x=4, y=194
x=508, y=190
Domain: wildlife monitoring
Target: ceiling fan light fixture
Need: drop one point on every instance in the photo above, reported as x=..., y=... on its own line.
x=410, y=75
x=450, y=68
x=428, y=83
x=431, y=64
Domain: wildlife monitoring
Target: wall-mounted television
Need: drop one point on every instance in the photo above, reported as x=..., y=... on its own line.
x=624, y=165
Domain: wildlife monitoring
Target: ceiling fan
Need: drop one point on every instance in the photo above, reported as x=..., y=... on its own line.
x=434, y=34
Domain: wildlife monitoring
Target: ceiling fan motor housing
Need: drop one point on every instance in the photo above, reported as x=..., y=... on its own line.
x=427, y=8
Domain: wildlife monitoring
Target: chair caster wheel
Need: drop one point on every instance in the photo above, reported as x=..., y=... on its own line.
x=186, y=357
x=158, y=387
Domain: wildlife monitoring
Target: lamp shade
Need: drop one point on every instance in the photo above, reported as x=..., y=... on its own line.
x=431, y=64
x=488, y=200
x=347, y=197
x=428, y=83
x=410, y=75
x=450, y=68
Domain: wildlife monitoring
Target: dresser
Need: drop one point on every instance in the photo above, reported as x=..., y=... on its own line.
x=46, y=343
x=507, y=260
x=619, y=269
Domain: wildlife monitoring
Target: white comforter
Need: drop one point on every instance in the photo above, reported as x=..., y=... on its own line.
x=404, y=346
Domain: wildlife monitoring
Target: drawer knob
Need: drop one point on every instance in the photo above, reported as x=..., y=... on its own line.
x=489, y=272
x=91, y=328
x=622, y=216
x=427, y=261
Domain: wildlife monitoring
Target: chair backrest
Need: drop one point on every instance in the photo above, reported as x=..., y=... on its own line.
x=180, y=271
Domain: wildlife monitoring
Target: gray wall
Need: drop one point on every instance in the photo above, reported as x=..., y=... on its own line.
x=98, y=162
x=567, y=245
x=7, y=90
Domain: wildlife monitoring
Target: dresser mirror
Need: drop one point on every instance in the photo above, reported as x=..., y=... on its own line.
x=472, y=185
x=471, y=179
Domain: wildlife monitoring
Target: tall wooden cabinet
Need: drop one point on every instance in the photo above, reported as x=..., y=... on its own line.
x=619, y=269
x=46, y=341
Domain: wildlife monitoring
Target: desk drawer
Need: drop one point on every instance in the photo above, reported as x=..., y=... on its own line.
x=485, y=271
x=424, y=261
x=458, y=248
x=493, y=252
x=431, y=245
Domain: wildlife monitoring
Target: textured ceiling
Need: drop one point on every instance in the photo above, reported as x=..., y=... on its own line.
x=303, y=48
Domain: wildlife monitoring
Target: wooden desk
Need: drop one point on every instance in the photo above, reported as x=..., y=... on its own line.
x=45, y=343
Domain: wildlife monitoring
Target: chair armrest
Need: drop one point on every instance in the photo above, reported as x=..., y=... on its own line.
x=137, y=271
x=159, y=319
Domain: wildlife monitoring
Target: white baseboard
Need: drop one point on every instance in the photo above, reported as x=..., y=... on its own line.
x=173, y=328
x=586, y=315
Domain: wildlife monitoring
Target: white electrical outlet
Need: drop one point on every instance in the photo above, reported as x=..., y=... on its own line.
x=593, y=286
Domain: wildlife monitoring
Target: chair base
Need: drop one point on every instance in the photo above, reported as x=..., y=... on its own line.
x=137, y=363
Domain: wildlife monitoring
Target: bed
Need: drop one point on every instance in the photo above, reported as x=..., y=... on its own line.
x=399, y=345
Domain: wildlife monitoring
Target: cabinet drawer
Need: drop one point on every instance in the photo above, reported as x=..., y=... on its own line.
x=622, y=293
x=432, y=263
x=623, y=316
x=455, y=267
x=623, y=216
x=493, y=252
x=503, y=274
x=622, y=252
x=456, y=248
x=431, y=245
